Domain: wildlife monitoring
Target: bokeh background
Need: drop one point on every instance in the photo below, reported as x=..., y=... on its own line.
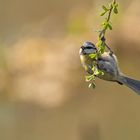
x=43, y=93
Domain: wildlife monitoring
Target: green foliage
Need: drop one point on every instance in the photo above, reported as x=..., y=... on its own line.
x=92, y=85
x=101, y=44
x=89, y=77
x=93, y=55
x=105, y=10
x=115, y=8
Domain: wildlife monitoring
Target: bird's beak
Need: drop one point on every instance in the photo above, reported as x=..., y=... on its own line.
x=81, y=51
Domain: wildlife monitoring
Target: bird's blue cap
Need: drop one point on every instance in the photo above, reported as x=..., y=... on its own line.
x=88, y=44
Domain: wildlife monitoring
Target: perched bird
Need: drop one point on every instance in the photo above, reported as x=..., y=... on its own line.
x=108, y=64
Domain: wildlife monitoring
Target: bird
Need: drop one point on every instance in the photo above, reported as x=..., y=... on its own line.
x=108, y=64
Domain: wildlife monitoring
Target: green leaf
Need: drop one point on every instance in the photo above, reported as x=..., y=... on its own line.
x=102, y=14
x=92, y=85
x=105, y=25
x=105, y=8
x=102, y=49
x=93, y=55
x=116, y=5
x=101, y=45
x=96, y=72
x=93, y=68
x=110, y=5
x=115, y=10
x=100, y=72
x=109, y=26
x=89, y=78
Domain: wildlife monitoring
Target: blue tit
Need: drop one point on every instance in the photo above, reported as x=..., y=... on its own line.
x=107, y=63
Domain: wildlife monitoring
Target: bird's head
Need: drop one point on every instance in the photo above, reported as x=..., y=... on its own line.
x=87, y=48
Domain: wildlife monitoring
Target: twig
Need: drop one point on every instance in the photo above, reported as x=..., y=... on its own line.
x=103, y=32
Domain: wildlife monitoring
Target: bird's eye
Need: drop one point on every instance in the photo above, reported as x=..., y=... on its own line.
x=89, y=47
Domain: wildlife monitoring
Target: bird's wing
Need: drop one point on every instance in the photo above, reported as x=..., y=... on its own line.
x=105, y=66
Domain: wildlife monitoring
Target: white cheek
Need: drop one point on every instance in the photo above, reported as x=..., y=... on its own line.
x=82, y=58
x=80, y=51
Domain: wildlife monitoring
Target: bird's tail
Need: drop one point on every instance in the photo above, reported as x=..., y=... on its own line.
x=131, y=83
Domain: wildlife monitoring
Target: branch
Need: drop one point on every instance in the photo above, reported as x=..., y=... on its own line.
x=106, y=23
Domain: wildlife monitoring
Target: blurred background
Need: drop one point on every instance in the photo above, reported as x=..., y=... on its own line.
x=43, y=91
